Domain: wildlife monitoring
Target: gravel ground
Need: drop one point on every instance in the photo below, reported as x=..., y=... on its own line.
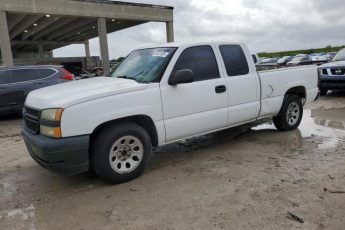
x=243, y=178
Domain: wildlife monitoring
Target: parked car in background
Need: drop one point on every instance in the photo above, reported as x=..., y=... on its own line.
x=158, y=95
x=17, y=82
x=332, y=74
x=332, y=54
x=284, y=60
x=320, y=58
x=300, y=60
x=79, y=73
x=268, y=61
x=302, y=55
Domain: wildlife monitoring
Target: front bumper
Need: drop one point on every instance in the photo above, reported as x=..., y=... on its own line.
x=332, y=82
x=67, y=156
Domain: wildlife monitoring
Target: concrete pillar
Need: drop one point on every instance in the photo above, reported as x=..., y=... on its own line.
x=5, y=44
x=103, y=44
x=40, y=51
x=87, y=49
x=170, y=31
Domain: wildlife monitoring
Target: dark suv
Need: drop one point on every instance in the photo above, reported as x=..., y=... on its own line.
x=332, y=74
x=17, y=82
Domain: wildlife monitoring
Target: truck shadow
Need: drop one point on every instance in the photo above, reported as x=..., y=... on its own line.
x=335, y=93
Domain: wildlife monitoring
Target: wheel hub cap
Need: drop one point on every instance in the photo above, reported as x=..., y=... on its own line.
x=126, y=154
x=293, y=113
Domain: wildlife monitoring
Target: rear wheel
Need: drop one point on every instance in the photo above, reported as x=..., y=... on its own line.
x=121, y=152
x=290, y=115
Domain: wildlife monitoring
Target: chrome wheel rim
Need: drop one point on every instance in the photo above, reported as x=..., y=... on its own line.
x=293, y=114
x=126, y=154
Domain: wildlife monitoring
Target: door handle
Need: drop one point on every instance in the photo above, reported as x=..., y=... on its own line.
x=38, y=83
x=220, y=89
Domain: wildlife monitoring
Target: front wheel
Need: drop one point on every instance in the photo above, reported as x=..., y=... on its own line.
x=290, y=115
x=121, y=152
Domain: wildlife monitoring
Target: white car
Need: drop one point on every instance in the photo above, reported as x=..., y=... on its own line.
x=158, y=95
x=320, y=57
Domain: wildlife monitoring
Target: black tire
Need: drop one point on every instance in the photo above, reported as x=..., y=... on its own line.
x=323, y=92
x=104, y=143
x=281, y=121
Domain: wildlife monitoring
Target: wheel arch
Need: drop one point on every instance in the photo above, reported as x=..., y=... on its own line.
x=297, y=90
x=142, y=120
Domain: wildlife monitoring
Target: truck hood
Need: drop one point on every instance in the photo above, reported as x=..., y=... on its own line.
x=71, y=93
x=333, y=64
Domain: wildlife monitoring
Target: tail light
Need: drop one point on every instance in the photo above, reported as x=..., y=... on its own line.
x=67, y=76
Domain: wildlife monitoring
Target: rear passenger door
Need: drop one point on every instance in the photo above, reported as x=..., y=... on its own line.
x=198, y=107
x=5, y=95
x=243, y=84
x=22, y=82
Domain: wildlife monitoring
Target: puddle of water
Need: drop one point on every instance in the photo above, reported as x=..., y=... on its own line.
x=327, y=124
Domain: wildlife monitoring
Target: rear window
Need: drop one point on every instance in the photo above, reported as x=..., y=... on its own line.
x=47, y=72
x=21, y=75
x=3, y=77
x=234, y=59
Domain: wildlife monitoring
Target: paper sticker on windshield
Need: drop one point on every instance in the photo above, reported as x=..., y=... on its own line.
x=160, y=54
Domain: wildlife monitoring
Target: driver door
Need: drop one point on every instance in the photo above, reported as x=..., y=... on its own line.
x=201, y=106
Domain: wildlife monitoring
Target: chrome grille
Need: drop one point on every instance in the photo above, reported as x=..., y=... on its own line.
x=338, y=71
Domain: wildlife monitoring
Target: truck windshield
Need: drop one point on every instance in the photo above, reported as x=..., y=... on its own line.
x=145, y=65
x=340, y=56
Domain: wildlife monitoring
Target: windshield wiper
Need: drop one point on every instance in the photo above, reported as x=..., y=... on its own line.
x=130, y=78
x=133, y=77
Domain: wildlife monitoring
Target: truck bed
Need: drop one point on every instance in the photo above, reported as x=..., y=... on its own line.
x=276, y=81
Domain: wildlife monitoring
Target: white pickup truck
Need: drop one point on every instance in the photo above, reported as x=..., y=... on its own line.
x=158, y=95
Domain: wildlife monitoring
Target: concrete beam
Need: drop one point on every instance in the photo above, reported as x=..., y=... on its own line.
x=111, y=27
x=92, y=26
x=57, y=25
x=87, y=49
x=70, y=29
x=32, y=42
x=118, y=10
x=170, y=31
x=103, y=44
x=46, y=22
x=14, y=19
x=26, y=23
x=5, y=44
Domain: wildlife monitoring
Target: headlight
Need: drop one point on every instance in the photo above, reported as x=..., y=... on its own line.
x=51, y=114
x=50, y=123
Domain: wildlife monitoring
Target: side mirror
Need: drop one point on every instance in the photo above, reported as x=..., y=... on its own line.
x=181, y=76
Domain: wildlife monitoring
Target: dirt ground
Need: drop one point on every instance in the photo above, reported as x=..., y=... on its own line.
x=243, y=178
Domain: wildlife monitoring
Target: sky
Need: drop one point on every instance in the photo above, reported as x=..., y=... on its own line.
x=265, y=25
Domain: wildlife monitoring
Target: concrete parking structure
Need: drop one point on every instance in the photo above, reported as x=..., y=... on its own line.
x=33, y=28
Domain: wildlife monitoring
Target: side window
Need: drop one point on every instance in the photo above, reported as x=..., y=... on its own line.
x=21, y=75
x=46, y=73
x=3, y=77
x=234, y=59
x=200, y=60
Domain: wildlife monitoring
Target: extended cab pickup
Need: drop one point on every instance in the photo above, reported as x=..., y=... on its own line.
x=158, y=95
